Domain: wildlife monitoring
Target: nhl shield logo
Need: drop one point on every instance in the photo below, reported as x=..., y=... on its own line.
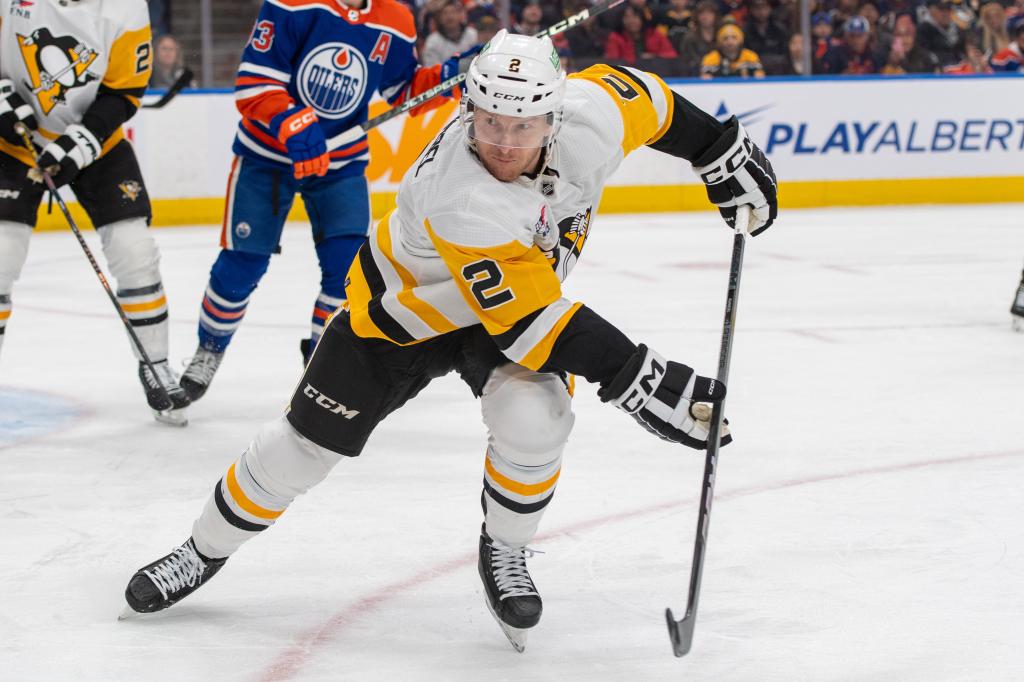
x=332, y=80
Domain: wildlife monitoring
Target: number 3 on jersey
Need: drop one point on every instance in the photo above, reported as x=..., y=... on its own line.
x=484, y=277
x=263, y=36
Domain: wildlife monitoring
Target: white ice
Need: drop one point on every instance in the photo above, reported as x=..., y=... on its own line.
x=868, y=520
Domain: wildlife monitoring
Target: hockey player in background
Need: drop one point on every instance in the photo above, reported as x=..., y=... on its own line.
x=307, y=74
x=73, y=72
x=465, y=275
x=1017, y=307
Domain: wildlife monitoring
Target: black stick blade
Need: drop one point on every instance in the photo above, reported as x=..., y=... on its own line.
x=680, y=632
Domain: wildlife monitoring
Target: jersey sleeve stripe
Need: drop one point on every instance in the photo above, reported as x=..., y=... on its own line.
x=406, y=297
x=380, y=316
x=249, y=93
x=249, y=67
x=533, y=347
x=123, y=69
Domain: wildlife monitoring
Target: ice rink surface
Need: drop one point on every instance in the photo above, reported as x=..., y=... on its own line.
x=868, y=521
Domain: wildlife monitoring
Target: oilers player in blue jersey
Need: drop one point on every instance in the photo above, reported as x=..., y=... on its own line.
x=307, y=74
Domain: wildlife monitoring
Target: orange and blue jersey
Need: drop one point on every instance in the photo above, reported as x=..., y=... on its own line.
x=333, y=58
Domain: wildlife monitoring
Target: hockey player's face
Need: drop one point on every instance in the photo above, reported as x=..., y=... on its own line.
x=509, y=146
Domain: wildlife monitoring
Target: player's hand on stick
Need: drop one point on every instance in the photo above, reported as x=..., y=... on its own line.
x=459, y=63
x=14, y=110
x=736, y=172
x=65, y=157
x=298, y=129
x=667, y=398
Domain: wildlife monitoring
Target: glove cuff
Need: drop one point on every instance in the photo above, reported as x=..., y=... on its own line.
x=726, y=156
x=637, y=381
x=86, y=148
x=292, y=122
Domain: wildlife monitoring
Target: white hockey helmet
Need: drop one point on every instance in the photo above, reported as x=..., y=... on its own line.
x=516, y=76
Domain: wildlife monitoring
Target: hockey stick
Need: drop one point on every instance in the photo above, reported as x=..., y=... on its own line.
x=177, y=86
x=23, y=131
x=681, y=632
x=353, y=134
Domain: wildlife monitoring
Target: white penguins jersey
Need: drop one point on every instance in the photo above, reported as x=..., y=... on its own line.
x=464, y=248
x=60, y=53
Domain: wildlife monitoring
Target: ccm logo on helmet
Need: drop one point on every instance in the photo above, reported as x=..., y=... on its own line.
x=333, y=406
x=514, y=98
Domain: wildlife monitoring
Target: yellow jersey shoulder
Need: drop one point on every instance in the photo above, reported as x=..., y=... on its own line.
x=642, y=101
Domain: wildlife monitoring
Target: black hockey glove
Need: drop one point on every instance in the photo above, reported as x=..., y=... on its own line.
x=14, y=109
x=737, y=172
x=666, y=398
x=65, y=157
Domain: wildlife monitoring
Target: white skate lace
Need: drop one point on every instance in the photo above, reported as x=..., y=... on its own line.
x=203, y=366
x=163, y=371
x=183, y=568
x=508, y=565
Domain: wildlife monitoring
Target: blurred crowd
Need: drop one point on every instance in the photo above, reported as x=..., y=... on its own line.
x=718, y=38
x=752, y=38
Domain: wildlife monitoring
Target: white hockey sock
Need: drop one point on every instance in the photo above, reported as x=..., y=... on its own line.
x=278, y=466
x=515, y=497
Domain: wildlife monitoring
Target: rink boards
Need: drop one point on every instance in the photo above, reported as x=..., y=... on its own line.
x=833, y=141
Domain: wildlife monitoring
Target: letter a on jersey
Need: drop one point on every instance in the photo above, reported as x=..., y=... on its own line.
x=55, y=65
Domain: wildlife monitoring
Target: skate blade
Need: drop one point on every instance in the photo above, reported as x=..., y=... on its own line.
x=172, y=417
x=129, y=614
x=516, y=636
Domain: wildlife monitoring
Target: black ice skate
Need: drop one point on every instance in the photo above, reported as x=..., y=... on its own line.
x=168, y=580
x=511, y=595
x=199, y=373
x=1017, y=308
x=169, y=412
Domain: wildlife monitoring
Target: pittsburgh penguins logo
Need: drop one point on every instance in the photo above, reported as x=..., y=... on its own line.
x=574, y=232
x=55, y=65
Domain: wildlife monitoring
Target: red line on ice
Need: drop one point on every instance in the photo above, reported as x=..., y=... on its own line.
x=290, y=661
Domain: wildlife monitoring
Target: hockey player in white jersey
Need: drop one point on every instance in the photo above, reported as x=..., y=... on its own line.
x=465, y=275
x=73, y=71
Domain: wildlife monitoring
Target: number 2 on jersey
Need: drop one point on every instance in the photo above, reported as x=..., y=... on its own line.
x=484, y=276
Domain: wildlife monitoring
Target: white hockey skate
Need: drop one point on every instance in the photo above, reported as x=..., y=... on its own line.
x=199, y=374
x=173, y=412
x=509, y=591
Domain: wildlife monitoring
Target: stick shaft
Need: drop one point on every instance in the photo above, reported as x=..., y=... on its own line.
x=95, y=266
x=681, y=632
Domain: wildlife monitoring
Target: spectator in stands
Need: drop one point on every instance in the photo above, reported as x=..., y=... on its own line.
x=168, y=62
x=852, y=55
x=586, y=40
x=486, y=26
x=794, y=65
x=729, y=59
x=821, y=34
x=905, y=55
x=675, y=22
x=159, y=17
x=701, y=40
x=734, y=9
x=1011, y=59
x=938, y=34
x=452, y=36
x=974, y=61
x=993, y=37
x=637, y=39
x=530, y=21
x=787, y=15
x=765, y=37
x=843, y=12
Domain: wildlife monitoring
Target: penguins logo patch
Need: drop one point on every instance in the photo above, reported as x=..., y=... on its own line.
x=130, y=189
x=55, y=65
